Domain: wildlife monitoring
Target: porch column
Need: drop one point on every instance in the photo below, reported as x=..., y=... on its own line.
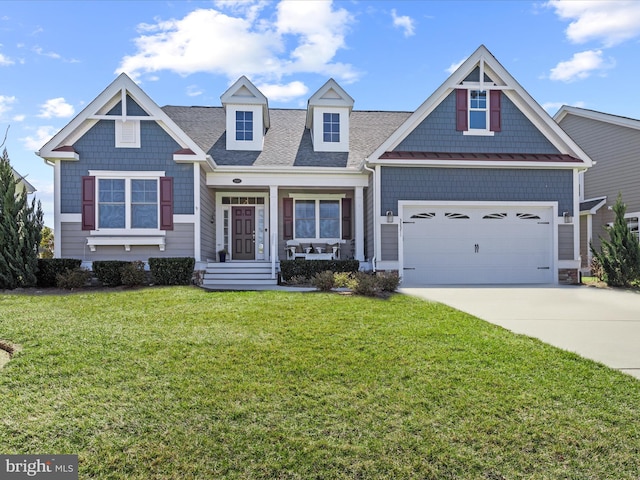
x=273, y=228
x=359, y=226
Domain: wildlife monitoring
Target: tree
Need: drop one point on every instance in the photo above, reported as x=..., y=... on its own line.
x=620, y=255
x=46, y=243
x=20, y=226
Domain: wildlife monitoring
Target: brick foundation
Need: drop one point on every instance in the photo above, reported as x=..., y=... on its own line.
x=568, y=276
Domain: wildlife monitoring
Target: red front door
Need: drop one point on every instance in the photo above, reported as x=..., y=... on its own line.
x=243, y=235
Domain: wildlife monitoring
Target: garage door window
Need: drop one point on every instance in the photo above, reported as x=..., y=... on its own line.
x=456, y=216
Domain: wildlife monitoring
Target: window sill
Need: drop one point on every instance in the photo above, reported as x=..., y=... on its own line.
x=125, y=241
x=479, y=133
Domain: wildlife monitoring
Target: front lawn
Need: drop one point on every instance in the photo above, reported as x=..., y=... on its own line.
x=178, y=383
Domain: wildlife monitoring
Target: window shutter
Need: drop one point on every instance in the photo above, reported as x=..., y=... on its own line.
x=287, y=218
x=494, y=106
x=462, y=122
x=166, y=203
x=346, y=219
x=88, y=203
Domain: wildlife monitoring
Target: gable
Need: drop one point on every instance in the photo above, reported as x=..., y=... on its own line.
x=437, y=133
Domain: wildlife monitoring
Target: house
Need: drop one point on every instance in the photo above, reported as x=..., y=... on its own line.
x=23, y=184
x=613, y=143
x=478, y=185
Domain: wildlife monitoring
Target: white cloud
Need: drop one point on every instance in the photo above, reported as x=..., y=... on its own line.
x=610, y=21
x=194, y=91
x=284, y=93
x=553, y=107
x=19, y=118
x=42, y=136
x=40, y=51
x=246, y=41
x=581, y=66
x=405, y=22
x=56, y=107
x=454, y=66
x=5, y=104
x=5, y=61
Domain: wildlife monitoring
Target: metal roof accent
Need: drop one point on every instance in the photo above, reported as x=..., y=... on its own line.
x=484, y=157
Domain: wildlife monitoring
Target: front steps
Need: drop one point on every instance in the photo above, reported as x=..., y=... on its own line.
x=237, y=274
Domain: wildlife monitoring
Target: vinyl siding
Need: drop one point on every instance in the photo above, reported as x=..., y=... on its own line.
x=207, y=219
x=179, y=243
x=616, y=150
x=565, y=242
x=389, y=246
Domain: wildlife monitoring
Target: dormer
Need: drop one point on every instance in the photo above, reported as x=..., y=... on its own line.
x=328, y=114
x=247, y=112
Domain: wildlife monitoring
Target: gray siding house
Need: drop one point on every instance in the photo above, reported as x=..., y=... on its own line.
x=478, y=185
x=613, y=142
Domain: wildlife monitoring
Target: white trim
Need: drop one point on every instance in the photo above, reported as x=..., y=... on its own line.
x=358, y=233
x=319, y=196
x=317, y=199
x=120, y=133
x=57, y=209
x=598, y=116
x=258, y=128
x=184, y=218
x=307, y=177
x=125, y=241
x=317, y=131
x=126, y=174
x=197, y=246
x=576, y=214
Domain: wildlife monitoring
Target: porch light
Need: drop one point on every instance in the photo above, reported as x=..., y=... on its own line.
x=567, y=217
x=389, y=216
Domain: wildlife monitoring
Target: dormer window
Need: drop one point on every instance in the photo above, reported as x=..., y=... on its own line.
x=331, y=127
x=244, y=126
x=478, y=111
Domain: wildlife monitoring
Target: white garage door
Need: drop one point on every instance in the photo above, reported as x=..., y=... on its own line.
x=460, y=244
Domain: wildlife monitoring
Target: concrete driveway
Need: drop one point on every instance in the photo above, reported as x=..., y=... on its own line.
x=600, y=324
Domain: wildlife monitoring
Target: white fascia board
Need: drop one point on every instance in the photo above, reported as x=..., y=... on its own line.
x=598, y=116
x=281, y=179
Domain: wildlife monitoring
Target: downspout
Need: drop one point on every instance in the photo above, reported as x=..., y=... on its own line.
x=373, y=210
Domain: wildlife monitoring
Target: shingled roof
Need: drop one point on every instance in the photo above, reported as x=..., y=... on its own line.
x=287, y=142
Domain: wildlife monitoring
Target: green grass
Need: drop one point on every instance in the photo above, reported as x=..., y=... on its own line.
x=177, y=383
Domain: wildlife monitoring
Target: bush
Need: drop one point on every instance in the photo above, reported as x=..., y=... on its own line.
x=50, y=268
x=133, y=274
x=342, y=279
x=388, y=281
x=309, y=268
x=364, y=284
x=172, y=271
x=596, y=269
x=323, y=281
x=76, y=278
x=109, y=272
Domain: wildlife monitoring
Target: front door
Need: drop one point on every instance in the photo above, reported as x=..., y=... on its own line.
x=244, y=233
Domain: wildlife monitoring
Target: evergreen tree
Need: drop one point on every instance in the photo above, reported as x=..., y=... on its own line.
x=20, y=226
x=620, y=255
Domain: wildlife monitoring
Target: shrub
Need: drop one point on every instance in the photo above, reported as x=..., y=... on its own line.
x=364, y=284
x=133, y=274
x=76, y=278
x=172, y=271
x=342, y=279
x=323, y=281
x=50, y=268
x=596, y=269
x=309, y=268
x=109, y=272
x=388, y=281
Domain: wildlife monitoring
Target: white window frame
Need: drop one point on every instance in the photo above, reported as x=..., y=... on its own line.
x=127, y=177
x=479, y=131
x=258, y=128
x=127, y=134
x=319, y=145
x=317, y=199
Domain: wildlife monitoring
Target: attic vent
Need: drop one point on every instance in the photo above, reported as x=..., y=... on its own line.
x=456, y=216
x=527, y=216
x=424, y=215
x=128, y=134
x=495, y=216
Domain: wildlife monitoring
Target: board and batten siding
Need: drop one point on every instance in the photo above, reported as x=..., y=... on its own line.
x=179, y=243
x=616, y=151
x=476, y=185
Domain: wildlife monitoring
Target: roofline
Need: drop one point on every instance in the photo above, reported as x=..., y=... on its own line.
x=595, y=115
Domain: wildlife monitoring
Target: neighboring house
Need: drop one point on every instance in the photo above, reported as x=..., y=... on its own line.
x=479, y=185
x=22, y=184
x=613, y=143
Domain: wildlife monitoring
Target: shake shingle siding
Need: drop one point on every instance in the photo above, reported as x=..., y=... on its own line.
x=437, y=133
x=475, y=184
x=97, y=151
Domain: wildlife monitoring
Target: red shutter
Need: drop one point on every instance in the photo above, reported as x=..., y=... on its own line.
x=287, y=218
x=494, y=111
x=166, y=203
x=346, y=219
x=462, y=122
x=88, y=203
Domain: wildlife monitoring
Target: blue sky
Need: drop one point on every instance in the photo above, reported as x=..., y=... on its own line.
x=57, y=56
